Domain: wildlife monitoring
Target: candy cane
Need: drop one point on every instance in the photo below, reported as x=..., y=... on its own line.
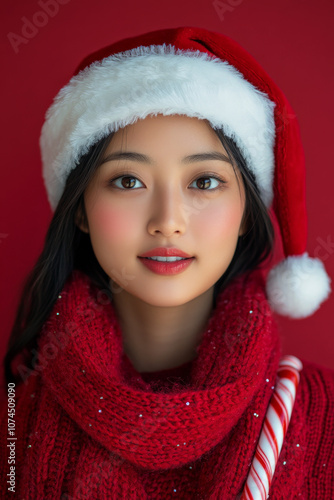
x=274, y=429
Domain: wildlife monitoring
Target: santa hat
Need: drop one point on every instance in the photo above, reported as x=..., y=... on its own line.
x=195, y=72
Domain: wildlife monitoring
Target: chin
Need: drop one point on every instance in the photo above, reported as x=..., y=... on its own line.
x=170, y=299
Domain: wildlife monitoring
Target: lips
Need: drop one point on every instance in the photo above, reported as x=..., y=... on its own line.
x=166, y=261
x=166, y=267
x=166, y=252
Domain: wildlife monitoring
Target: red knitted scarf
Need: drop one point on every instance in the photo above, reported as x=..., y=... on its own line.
x=98, y=430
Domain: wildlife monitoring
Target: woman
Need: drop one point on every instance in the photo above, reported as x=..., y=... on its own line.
x=150, y=352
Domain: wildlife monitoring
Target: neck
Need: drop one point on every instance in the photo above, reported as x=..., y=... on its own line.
x=161, y=338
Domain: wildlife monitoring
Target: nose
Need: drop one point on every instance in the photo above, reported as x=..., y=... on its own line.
x=167, y=214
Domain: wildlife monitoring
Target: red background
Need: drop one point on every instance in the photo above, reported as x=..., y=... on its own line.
x=292, y=39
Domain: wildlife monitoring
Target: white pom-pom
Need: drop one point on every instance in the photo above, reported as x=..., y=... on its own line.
x=297, y=286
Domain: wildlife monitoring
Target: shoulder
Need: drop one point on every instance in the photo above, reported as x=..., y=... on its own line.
x=315, y=397
x=317, y=387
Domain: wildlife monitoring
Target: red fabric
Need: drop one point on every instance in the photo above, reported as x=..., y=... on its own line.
x=289, y=178
x=67, y=449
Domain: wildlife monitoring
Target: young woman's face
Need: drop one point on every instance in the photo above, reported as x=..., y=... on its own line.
x=166, y=199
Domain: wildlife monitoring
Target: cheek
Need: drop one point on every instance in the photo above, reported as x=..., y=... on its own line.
x=220, y=221
x=109, y=223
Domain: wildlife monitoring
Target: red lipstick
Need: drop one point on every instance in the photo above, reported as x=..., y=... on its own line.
x=166, y=252
x=175, y=261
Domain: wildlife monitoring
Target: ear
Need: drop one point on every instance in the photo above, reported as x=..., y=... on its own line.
x=80, y=220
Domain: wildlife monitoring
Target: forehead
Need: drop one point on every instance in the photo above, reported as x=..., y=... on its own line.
x=180, y=131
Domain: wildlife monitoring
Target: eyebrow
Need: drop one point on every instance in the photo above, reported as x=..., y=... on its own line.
x=128, y=155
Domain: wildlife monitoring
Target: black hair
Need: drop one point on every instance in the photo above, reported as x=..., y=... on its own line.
x=66, y=248
x=256, y=245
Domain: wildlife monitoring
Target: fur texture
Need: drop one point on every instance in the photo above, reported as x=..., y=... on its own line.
x=157, y=79
x=297, y=286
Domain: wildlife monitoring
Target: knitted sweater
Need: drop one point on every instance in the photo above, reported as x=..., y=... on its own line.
x=89, y=426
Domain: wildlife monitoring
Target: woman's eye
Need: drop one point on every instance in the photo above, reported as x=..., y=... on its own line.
x=129, y=182
x=126, y=182
x=207, y=183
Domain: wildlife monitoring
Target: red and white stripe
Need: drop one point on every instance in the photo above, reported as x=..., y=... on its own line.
x=274, y=430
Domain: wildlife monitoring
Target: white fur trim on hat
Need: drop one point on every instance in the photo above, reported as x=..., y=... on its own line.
x=297, y=286
x=158, y=79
